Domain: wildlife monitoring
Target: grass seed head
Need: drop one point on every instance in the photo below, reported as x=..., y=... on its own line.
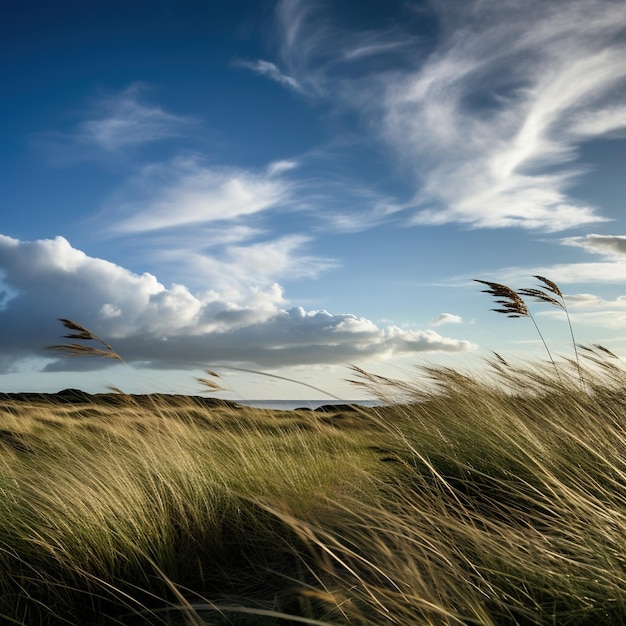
x=541, y=296
x=550, y=285
x=511, y=302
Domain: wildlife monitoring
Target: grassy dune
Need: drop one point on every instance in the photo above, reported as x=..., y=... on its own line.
x=466, y=501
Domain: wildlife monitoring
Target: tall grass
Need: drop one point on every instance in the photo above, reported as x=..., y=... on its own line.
x=119, y=500
x=466, y=499
x=509, y=506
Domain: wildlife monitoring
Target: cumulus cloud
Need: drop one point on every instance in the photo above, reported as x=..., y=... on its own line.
x=150, y=323
x=489, y=120
x=446, y=318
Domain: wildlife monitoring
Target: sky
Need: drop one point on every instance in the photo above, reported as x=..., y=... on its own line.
x=282, y=189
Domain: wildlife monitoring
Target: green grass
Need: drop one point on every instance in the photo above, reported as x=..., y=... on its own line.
x=493, y=500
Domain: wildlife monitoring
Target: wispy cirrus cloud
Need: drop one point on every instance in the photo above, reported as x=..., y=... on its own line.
x=596, y=312
x=213, y=224
x=113, y=124
x=122, y=120
x=591, y=301
x=257, y=261
x=185, y=191
x=608, y=245
x=279, y=167
x=173, y=326
x=321, y=53
x=488, y=119
x=601, y=272
x=219, y=223
x=271, y=71
x=610, y=270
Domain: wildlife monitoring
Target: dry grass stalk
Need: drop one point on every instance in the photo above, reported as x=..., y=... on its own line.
x=78, y=349
x=513, y=305
x=209, y=384
x=511, y=302
x=540, y=295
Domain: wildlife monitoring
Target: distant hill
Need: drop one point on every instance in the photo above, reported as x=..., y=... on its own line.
x=76, y=396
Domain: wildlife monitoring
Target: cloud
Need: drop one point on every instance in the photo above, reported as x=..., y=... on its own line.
x=607, y=245
x=278, y=167
x=488, y=120
x=260, y=262
x=591, y=301
x=228, y=263
x=112, y=125
x=215, y=224
x=610, y=122
x=122, y=120
x=446, y=318
x=271, y=71
x=188, y=215
x=597, y=312
x=610, y=271
x=573, y=273
x=319, y=52
x=185, y=192
x=150, y=323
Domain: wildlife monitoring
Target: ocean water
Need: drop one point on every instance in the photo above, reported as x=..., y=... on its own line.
x=290, y=405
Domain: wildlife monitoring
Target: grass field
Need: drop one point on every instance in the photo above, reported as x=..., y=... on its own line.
x=499, y=500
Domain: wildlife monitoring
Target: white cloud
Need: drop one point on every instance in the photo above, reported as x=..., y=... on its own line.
x=122, y=120
x=446, y=318
x=173, y=327
x=316, y=51
x=610, y=121
x=261, y=262
x=565, y=273
x=110, y=310
x=591, y=301
x=597, y=312
x=184, y=192
x=489, y=155
x=489, y=121
x=112, y=125
x=278, y=167
x=607, y=245
x=266, y=68
x=212, y=224
x=612, y=270
x=586, y=308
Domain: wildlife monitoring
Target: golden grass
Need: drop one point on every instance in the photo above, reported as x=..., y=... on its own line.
x=465, y=500
x=474, y=503
x=121, y=499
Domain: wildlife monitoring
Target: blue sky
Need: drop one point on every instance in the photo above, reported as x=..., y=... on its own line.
x=295, y=186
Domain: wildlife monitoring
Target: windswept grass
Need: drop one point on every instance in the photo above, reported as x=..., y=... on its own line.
x=489, y=500
x=99, y=510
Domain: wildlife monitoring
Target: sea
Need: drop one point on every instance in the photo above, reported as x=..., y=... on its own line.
x=290, y=405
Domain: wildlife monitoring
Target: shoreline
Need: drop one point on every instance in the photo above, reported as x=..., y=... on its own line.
x=76, y=396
